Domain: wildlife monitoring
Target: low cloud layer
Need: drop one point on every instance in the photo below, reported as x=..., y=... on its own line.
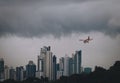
x=30, y=18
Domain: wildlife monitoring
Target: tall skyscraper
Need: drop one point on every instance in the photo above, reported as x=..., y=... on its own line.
x=49, y=65
x=54, y=68
x=40, y=66
x=30, y=69
x=40, y=63
x=66, y=66
x=1, y=69
x=77, y=62
x=45, y=63
x=61, y=68
x=61, y=64
x=12, y=73
x=6, y=72
x=20, y=73
x=71, y=66
x=58, y=71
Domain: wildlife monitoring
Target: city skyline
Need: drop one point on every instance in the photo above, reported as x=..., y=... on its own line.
x=47, y=66
x=28, y=25
x=28, y=75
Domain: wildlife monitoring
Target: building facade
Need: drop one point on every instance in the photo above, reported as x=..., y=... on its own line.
x=61, y=66
x=71, y=66
x=20, y=73
x=12, y=73
x=1, y=69
x=77, y=62
x=6, y=73
x=30, y=70
x=66, y=66
x=54, y=67
x=45, y=63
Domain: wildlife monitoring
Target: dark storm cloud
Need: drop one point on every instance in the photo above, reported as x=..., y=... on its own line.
x=34, y=18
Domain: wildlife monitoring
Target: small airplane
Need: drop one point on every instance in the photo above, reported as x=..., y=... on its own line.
x=86, y=40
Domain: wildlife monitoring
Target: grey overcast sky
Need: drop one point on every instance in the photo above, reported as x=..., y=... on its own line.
x=28, y=25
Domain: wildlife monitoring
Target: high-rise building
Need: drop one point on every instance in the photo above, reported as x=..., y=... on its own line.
x=6, y=72
x=30, y=69
x=20, y=73
x=1, y=69
x=57, y=66
x=40, y=63
x=40, y=66
x=61, y=65
x=45, y=63
x=60, y=68
x=54, y=68
x=77, y=62
x=49, y=65
x=66, y=66
x=71, y=66
x=12, y=73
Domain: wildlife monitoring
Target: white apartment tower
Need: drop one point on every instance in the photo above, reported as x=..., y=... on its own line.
x=45, y=64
